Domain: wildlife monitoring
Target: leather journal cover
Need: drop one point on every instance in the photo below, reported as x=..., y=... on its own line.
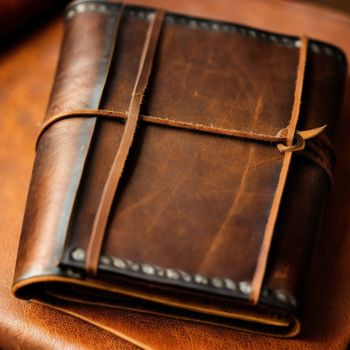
x=182, y=168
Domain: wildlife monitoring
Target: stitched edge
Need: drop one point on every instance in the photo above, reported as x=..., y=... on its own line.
x=155, y=273
x=85, y=6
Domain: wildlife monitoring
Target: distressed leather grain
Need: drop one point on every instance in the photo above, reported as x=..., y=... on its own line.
x=184, y=232
x=25, y=325
x=325, y=321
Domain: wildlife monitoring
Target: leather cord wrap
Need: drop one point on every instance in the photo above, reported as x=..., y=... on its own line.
x=260, y=270
x=102, y=113
x=323, y=155
x=109, y=191
x=319, y=152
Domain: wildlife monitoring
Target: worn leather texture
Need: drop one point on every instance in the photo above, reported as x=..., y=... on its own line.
x=185, y=234
x=24, y=325
x=139, y=335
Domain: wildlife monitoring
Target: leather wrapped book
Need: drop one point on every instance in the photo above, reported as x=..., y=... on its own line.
x=182, y=168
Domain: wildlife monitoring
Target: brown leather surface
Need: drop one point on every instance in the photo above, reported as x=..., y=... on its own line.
x=116, y=170
x=25, y=74
x=279, y=16
x=326, y=323
x=235, y=185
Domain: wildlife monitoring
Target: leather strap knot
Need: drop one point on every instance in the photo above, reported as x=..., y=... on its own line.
x=300, y=137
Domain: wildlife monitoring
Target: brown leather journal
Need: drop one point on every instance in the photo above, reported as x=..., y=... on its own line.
x=182, y=168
